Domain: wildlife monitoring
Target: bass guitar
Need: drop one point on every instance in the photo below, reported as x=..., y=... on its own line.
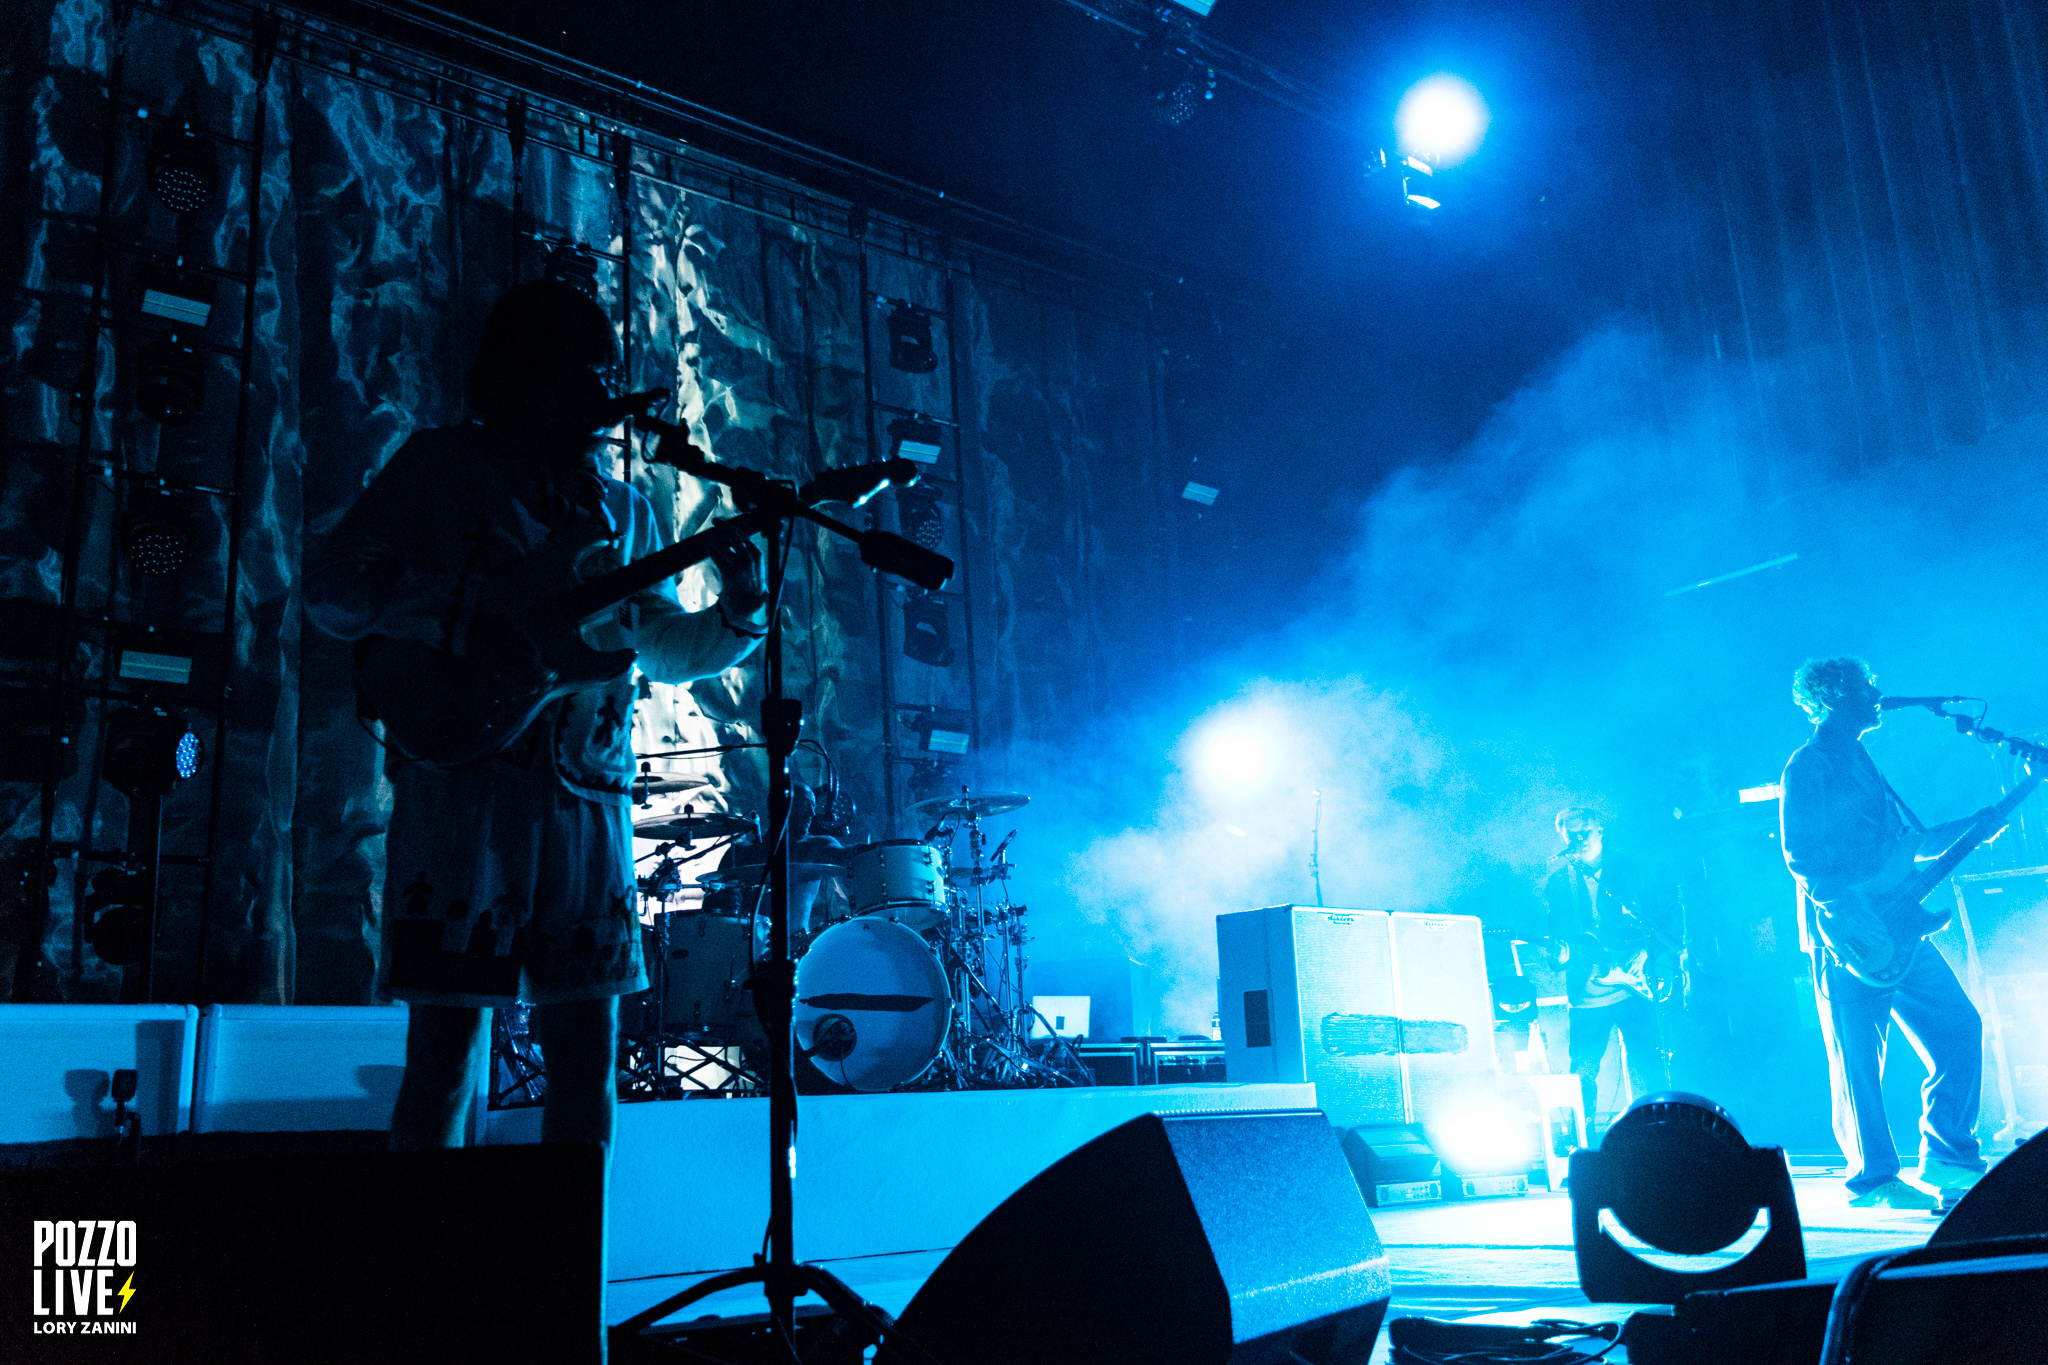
x=1874, y=926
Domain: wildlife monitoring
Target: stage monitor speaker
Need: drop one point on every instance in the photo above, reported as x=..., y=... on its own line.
x=1979, y=1302
x=2010, y=1201
x=1171, y=1240
x=491, y=1253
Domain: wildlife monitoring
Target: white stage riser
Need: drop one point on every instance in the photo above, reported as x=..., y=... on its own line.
x=876, y=1174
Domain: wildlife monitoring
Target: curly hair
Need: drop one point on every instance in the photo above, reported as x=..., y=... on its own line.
x=1820, y=684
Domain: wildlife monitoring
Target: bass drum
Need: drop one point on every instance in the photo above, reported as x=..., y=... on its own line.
x=897, y=879
x=872, y=1007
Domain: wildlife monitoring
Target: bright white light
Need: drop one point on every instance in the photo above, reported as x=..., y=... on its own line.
x=1236, y=756
x=1480, y=1134
x=1441, y=119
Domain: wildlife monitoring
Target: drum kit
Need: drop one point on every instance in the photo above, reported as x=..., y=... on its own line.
x=909, y=962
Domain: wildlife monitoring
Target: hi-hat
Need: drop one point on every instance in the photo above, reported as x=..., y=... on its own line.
x=711, y=825
x=972, y=805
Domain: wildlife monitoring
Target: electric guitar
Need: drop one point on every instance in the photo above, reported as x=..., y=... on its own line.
x=1874, y=926
x=523, y=647
x=1626, y=952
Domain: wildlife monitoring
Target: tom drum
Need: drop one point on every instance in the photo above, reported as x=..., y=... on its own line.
x=898, y=879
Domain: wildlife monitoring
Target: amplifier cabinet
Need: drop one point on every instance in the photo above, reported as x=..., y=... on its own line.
x=1388, y=1014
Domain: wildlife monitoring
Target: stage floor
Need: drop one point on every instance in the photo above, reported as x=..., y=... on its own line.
x=1482, y=1257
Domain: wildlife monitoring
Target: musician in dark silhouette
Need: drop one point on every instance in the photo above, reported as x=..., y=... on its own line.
x=1602, y=951
x=1838, y=821
x=537, y=837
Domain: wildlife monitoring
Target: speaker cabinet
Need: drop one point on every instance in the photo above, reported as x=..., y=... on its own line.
x=1388, y=1014
x=491, y=1253
x=1171, y=1240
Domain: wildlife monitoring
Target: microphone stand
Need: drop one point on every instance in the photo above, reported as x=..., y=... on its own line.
x=780, y=504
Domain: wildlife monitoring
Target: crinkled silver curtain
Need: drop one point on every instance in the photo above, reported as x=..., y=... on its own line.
x=385, y=228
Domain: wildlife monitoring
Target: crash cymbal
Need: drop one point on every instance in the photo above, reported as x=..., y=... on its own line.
x=710, y=825
x=972, y=805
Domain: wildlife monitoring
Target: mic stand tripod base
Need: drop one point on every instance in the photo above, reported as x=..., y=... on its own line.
x=857, y=1324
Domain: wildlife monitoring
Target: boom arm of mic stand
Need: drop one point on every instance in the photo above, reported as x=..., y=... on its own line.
x=882, y=550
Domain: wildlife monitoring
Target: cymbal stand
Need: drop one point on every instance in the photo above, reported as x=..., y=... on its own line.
x=772, y=509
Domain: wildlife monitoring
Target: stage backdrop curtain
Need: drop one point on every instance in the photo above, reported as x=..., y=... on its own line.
x=385, y=225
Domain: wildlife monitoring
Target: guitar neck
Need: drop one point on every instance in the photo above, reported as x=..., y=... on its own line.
x=587, y=599
x=1928, y=875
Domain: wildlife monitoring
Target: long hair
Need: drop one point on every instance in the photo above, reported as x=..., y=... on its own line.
x=540, y=327
x=1820, y=684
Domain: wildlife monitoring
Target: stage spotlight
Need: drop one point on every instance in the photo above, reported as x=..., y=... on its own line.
x=910, y=340
x=172, y=386
x=1675, y=1171
x=918, y=516
x=1441, y=120
x=927, y=636
x=1418, y=188
x=1236, y=756
x=150, y=750
x=182, y=168
x=1486, y=1147
x=156, y=534
x=912, y=438
x=1200, y=493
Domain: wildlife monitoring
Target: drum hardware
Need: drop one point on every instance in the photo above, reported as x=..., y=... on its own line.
x=518, y=1071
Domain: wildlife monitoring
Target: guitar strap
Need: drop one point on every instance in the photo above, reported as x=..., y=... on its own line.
x=1904, y=809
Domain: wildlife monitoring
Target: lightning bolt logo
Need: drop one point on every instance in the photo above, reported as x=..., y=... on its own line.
x=127, y=1293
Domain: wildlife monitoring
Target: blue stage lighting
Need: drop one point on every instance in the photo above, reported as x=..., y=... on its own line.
x=1441, y=120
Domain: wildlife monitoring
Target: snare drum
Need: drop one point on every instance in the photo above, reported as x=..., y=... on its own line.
x=898, y=879
x=871, y=1004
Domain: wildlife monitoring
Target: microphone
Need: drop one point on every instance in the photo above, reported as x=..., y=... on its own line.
x=1003, y=845
x=1931, y=703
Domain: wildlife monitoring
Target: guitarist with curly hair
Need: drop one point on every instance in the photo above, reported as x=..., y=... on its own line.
x=1840, y=824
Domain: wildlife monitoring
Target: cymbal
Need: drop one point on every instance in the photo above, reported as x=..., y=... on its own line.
x=972, y=805
x=710, y=825
x=661, y=784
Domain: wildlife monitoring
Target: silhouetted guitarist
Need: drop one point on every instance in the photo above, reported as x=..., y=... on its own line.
x=1839, y=821
x=1603, y=952
x=511, y=877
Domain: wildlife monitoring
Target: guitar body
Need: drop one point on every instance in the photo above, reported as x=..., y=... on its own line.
x=520, y=653
x=1874, y=926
